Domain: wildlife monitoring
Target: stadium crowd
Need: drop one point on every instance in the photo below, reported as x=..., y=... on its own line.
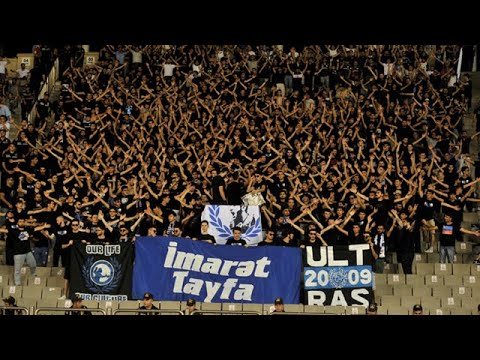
x=345, y=144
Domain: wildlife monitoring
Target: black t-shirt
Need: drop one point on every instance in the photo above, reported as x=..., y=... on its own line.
x=448, y=234
x=206, y=237
x=61, y=235
x=40, y=240
x=231, y=241
x=144, y=308
x=427, y=208
x=21, y=240
x=216, y=183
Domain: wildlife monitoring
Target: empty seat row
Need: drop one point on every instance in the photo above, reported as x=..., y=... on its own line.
x=436, y=291
x=40, y=271
x=429, y=301
x=32, y=292
x=50, y=281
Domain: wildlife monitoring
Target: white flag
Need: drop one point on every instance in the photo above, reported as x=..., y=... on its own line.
x=223, y=218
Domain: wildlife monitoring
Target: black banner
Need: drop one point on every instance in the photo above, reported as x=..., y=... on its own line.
x=101, y=271
x=340, y=275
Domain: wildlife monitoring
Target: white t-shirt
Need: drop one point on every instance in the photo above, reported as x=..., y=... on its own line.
x=3, y=66
x=22, y=73
x=6, y=127
x=136, y=57
x=168, y=69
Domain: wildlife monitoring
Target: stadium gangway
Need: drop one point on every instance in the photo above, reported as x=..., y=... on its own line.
x=39, y=310
x=146, y=311
x=24, y=310
x=225, y=312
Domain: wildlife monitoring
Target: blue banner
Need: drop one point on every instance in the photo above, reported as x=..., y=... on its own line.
x=178, y=269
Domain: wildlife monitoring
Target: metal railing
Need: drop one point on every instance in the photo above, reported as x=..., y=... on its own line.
x=225, y=312
x=22, y=309
x=39, y=310
x=148, y=312
x=301, y=313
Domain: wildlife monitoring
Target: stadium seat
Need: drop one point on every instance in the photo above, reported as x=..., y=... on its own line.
x=48, y=303
x=475, y=270
x=422, y=291
x=232, y=307
x=424, y=269
x=32, y=292
x=397, y=310
x=409, y=301
x=43, y=271
x=390, y=300
x=475, y=292
x=442, y=292
x=439, y=311
x=28, y=303
x=51, y=293
x=433, y=258
x=382, y=310
x=380, y=279
x=442, y=269
x=355, y=310
x=91, y=304
x=453, y=280
x=296, y=308
x=434, y=280
x=12, y=290
x=4, y=280
x=253, y=307
x=470, y=217
x=129, y=304
x=461, y=269
x=57, y=271
x=463, y=247
x=105, y=305
x=430, y=302
x=384, y=290
x=55, y=281
x=402, y=290
x=37, y=281
x=450, y=302
x=415, y=280
x=462, y=291
x=170, y=305
x=396, y=279
x=391, y=269
x=6, y=270
x=211, y=307
x=420, y=258
x=317, y=309
x=470, y=303
x=337, y=310
x=471, y=281
x=460, y=311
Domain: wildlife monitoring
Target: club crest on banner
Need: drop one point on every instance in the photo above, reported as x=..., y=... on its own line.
x=101, y=276
x=222, y=219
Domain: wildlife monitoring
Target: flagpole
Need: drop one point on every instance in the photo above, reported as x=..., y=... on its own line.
x=459, y=65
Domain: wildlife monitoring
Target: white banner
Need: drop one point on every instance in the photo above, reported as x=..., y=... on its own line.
x=223, y=218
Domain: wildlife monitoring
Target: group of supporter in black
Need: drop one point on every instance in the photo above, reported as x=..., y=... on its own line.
x=346, y=144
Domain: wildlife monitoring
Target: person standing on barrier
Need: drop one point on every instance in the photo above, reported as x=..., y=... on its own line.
x=148, y=304
x=21, y=248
